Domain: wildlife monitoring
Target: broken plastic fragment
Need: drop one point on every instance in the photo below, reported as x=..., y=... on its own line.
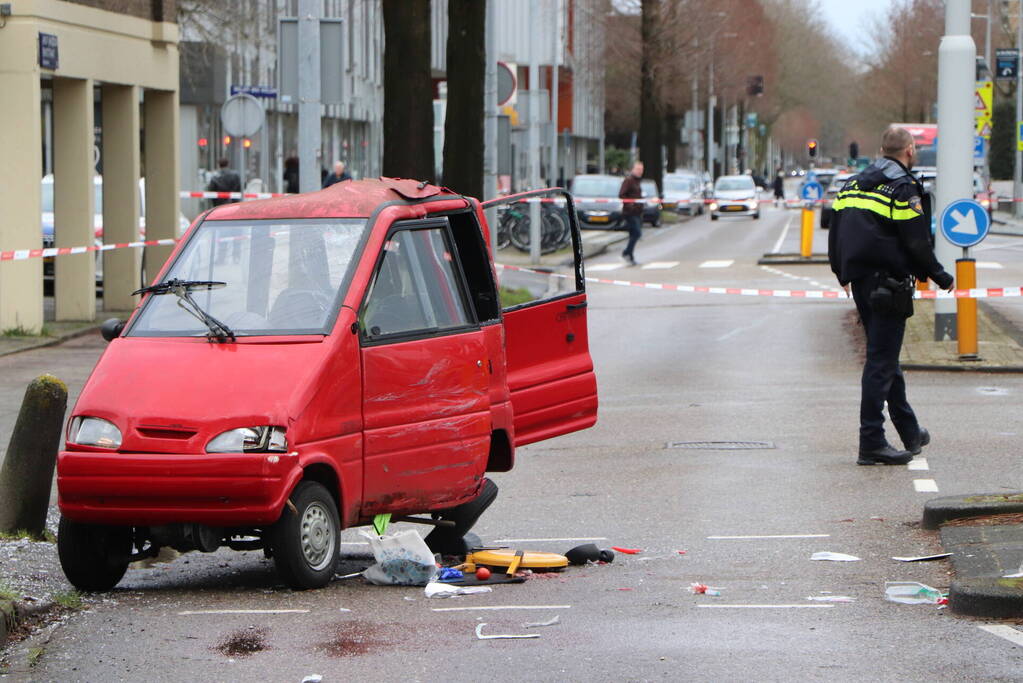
x=536, y=624
x=703, y=589
x=830, y=598
x=912, y=593
x=447, y=590
x=312, y=678
x=922, y=558
x=834, y=557
x=479, y=634
x=627, y=551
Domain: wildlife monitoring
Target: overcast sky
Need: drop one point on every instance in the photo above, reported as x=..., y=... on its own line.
x=850, y=19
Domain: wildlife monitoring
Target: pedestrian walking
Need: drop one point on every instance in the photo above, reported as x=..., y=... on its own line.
x=224, y=180
x=778, y=185
x=632, y=211
x=338, y=175
x=880, y=240
x=290, y=175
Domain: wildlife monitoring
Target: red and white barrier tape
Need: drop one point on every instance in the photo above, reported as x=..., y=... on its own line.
x=837, y=294
x=24, y=254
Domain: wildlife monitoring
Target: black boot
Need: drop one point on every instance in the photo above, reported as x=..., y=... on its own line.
x=916, y=445
x=886, y=455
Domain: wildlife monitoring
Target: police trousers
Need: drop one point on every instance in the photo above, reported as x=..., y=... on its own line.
x=882, y=377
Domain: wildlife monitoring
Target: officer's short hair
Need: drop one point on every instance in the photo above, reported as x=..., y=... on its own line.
x=894, y=140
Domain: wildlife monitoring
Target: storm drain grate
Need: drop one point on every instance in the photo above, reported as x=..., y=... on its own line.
x=721, y=445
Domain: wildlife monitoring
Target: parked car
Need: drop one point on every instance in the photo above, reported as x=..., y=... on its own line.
x=734, y=195
x=606, y=211
x=354, y=359
x=683, y=194
x=829, y=197
x=652, y=203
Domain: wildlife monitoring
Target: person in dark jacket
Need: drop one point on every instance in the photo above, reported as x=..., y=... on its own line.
x=338, y=175
x=224, y=180
x=632, y=211
x=880, y=240
x=778, y=185
x=291, y=175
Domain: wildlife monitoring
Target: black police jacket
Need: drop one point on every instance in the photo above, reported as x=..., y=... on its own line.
x=882, y=223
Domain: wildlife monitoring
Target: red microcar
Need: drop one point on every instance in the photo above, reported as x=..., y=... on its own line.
x=303, y=364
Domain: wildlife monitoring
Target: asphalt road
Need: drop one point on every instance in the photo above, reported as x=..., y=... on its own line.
x=672, y=367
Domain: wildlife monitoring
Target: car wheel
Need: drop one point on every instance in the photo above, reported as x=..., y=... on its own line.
x=713, y=216
x=94, y=557
x=656, y=222
x=756, y=215
x=450, y=540
x=306, y=539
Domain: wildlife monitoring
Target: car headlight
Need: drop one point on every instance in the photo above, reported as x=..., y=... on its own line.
x=94, y=431
x=713, y=206
x=249, y=440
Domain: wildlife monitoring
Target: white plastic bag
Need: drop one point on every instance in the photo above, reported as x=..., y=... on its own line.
x=403, y=559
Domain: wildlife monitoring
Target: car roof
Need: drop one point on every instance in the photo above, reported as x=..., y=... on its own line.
x=348, y=199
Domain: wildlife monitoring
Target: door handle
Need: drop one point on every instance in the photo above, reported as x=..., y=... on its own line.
x=576, y=307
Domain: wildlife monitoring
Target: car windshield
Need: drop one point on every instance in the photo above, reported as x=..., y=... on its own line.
x=732, y=184
x=281, y=278
x=678, y=184
x=596, y=187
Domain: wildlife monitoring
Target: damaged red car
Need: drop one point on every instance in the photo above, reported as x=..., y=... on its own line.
x=303, y=364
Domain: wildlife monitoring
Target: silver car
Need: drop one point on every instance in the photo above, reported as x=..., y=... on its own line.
x=683, y=194
x=734, y=195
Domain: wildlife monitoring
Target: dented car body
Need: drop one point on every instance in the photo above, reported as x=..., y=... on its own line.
x=303, y=364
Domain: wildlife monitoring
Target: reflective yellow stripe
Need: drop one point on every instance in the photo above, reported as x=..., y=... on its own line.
x=861, y=203
x=904, y=214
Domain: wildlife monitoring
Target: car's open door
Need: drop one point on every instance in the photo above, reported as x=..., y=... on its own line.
x=550, y=373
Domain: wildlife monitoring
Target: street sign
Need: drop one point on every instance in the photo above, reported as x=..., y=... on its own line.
x=964, y=222
x=1006, y=64
x=812, y=191
x=242, y=115
x=506, y=84
x=266, y=91
x=982, y=107
x=751, y=119
x=1019, y=136
x=49, y=57
x=979, y=148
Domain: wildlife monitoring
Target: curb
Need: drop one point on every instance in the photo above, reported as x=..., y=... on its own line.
x=989, y=369
x=12, y=613
x=53, y=341
x=993, y=598
x=8, y=620
x=937, y=511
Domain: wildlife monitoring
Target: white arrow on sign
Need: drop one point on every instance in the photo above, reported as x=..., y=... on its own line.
x=965, y=224
x=811, y=193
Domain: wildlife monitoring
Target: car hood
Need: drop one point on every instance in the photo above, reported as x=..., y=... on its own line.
x=735, y=194
x=159, y=385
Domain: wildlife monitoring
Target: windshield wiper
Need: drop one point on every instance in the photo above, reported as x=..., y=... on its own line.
x=183, y=290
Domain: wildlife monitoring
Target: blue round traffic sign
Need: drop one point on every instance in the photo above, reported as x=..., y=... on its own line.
x=964, y=222
x=812, y=191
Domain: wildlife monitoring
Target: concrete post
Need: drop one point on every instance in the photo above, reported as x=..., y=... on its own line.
x=27, y=473
x=957, y=57
x=309, y=132
x=21, y=282
x=121, y=200
x=1017, y=175
x=161, y=172
x=74, y=286
x=533, y=144
x=490, y=121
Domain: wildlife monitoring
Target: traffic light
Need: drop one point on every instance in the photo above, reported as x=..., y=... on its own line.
x=811, y=148
x=227, y=140
x=246, y=143
x=854, y=150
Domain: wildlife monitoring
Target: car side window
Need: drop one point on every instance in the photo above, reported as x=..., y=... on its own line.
x=416, y=288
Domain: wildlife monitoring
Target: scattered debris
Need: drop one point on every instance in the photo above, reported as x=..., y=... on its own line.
x=244, y=643
x=834, y=557
x=589, y=552
x=479, y=634
x=312, y=678
x=912, y=593
x=703, y=589
x=923, y=558
x=403, y=559
x=830, y=598
x=627, y=551
x=343, y=609
x=348, y=576
x=681, y=552
x=537, y=624
x=482, y=573
x=450, y=574
x=435, y=589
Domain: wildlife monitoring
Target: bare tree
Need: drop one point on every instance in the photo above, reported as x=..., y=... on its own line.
x=408, y=90
x=463, y=127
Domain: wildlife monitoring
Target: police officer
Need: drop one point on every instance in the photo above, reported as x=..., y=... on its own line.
x=880, y=240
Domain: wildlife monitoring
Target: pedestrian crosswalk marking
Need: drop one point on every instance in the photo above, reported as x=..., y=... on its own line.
x=989, y=265
x=925, y=485
x=723, y=263
x=1003, y=631
x=660, y=265
x=604, y=266
x=919, y=464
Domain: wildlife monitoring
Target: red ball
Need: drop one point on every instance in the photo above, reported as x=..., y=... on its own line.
x=482, y=573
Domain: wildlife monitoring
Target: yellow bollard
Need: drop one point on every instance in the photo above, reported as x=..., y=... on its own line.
x=806, y=238
x=923, y=285
x=966, y=309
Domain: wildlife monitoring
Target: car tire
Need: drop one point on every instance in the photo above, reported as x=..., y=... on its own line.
x=306, y=539
x=713, y=216
x=94, y=557
x=656, y=223
x=450, y=540
x=756, y=215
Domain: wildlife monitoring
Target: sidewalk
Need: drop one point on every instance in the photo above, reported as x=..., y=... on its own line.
x=1004, y=223
x=998, y=347
x=594, y=243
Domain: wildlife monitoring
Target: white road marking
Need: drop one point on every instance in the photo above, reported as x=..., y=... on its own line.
x=781, y=238
x=925, y=485
x=538, y=540
x=659, y=265
x=721, y=263
x=989, y=265
x=242, y=611
x=1003, y=631
x=919, y=464
x=765, y=606
x=604, y=266
x=499, y=607
x=732, y=538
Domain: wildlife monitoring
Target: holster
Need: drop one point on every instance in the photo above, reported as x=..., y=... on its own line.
x=893, y=295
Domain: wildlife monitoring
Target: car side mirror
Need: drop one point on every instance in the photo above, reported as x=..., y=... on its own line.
x=111, y=329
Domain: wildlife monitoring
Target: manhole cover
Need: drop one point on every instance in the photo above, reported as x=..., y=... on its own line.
x=722, y=445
